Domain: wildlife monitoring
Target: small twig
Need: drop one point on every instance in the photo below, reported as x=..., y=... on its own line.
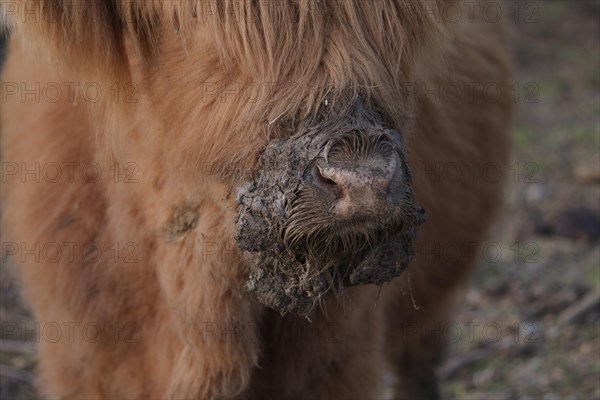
x=450, y=368
x=574, y=311
x=453, y=366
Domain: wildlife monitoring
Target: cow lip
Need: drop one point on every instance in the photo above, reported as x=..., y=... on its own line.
x=370, y=224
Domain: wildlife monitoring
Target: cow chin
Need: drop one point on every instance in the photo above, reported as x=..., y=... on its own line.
x=331, y=206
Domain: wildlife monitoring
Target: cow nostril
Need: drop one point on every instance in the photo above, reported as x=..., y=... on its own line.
x=322, y=179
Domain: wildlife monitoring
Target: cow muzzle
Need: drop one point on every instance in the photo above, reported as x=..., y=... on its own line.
x=330, y=207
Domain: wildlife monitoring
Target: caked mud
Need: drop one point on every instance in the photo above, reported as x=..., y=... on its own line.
x=296, y=253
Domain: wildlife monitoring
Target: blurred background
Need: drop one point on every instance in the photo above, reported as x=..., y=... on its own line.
x=530, y=325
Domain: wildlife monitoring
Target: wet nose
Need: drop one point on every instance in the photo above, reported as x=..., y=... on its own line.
x=359, y=188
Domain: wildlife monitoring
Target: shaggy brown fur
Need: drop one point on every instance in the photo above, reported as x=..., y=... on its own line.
x=193, y=133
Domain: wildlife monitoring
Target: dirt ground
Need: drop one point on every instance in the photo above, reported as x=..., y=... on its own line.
x=530, y=324
x=536, y=293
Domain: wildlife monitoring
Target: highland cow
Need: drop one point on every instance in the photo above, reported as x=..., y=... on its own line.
x=223, y=189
